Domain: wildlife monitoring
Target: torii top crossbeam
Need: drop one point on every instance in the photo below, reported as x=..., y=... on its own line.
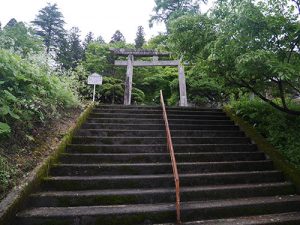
x=130, y=63
x=141, y=53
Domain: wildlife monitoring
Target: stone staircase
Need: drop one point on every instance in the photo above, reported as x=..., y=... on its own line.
x=118, y=171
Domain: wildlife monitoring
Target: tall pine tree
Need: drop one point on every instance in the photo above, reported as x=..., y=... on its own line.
x=49, y=24
x=71, y=50
x=100, y=40
x=140, y=37
x=88, y=39
x=117, y=37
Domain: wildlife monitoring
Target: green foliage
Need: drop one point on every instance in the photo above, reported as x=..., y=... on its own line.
x=190, y=34
x=20, y=39
x=140, y=38
x=153, y=79
x=88, y=39
x=117, y=37
x=205, y=90
x=28, y=94
x=110, y=92
x=49, y=26
x=71, y=51
x=97, y=58
x=246, y=45
x=166, y=10
x=4, y=128
x=6, y=173
x=158, y=43
x=282, y=130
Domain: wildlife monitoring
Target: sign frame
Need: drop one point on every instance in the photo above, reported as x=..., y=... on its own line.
x=95, y=79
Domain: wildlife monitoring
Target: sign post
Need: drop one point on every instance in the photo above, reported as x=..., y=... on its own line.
x=95, y=79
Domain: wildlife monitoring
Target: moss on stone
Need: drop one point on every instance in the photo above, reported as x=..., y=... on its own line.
x=289, y=170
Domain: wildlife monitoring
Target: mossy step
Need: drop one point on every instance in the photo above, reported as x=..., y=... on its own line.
x=159, y=111
x=158, y=195
x=66, y=183
x=154, y=213
x=159, y=148
x=156, y=116
x=158, y=133
x=135, y=107
x=134, y=126
x=160, y=121
x=158, y=140
x=290, y=218
x=160, y=157
x=156, y=168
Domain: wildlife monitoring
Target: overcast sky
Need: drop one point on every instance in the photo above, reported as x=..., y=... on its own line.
x=102, y=17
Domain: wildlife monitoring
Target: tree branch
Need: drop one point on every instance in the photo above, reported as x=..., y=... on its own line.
x=276, y=106
x=282, y=95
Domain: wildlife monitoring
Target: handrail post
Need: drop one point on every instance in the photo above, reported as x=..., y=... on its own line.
x=173, y=159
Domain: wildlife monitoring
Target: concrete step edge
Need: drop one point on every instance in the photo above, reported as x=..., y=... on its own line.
x=130, y=209
x=158, y=190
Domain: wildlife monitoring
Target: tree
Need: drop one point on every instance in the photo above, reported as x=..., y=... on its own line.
x=71, y=51
x=189, y=35
x=140, y=37
x=75, y=46
x=245, y=45
x=11, y=23
x=49, y=24
x=117, y=37
x=20, y=38
x=100, y=40
x=88, y=39
x=263, y=57
x=169, y=9
x=96, y=58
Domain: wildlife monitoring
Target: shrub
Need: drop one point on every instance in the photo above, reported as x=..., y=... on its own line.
x=6, y=173
x=281, y=129
x=29, y=94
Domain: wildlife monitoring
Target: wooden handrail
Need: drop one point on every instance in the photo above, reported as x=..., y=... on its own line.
x=173, y=159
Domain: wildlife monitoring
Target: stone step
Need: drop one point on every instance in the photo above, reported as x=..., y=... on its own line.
x=134, y=126
x=156, y=116
x=159, y=157
x=139, y=107
x=158, y=133
x=159, y=148
x=290, y=218
x=67, y=183
x=158, y=195
x=226, y=121
x=159, y=140
x=157, y=168
x=159, y=111
x=159, y=213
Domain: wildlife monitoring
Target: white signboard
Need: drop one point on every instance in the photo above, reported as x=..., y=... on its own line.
x=95, y=79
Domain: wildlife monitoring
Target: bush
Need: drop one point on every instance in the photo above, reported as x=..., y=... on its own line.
x=6, y=173
x=281, y=129
x=110, y=92
x=29, y=94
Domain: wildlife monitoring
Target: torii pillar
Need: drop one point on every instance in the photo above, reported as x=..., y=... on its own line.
x=128, y=80
x=182, y=85
x=130, y=63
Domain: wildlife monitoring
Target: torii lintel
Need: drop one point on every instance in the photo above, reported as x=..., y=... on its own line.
x=130, y=63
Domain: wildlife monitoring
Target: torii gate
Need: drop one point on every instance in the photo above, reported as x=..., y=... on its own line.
x=130, y=63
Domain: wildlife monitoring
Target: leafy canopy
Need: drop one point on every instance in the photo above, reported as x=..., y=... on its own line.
x=49, y=24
